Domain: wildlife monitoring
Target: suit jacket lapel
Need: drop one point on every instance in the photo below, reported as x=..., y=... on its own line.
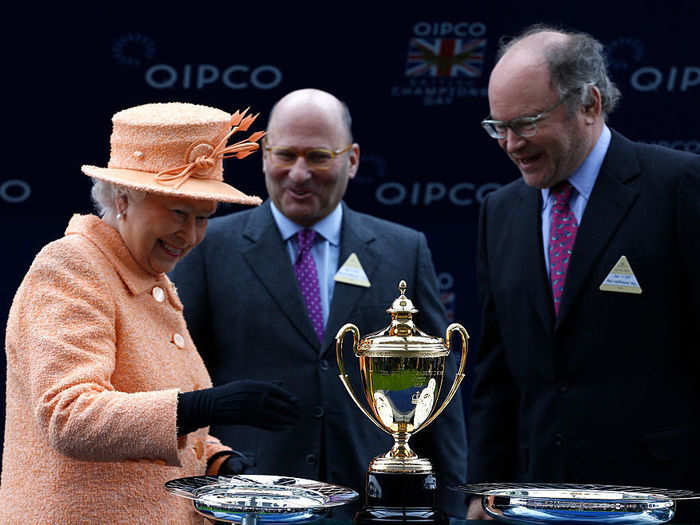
x=266, y=245
x=355, y=238
x=527, y=236
x=615, y=190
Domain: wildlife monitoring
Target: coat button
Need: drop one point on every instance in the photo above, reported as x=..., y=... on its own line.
x=158, y=294
x=179, y=340
x=323, y=365
x=311, y=459
x=317, y=412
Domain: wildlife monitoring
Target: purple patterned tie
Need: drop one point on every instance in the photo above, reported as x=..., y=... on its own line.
x=561, y=239
x=305, y=271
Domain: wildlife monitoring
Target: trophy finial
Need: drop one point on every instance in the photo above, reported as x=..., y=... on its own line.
x=402, y=305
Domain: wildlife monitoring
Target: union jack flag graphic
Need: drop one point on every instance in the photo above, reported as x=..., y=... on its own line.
x=445, y=57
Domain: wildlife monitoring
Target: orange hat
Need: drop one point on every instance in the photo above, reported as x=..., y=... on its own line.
x=177, y=149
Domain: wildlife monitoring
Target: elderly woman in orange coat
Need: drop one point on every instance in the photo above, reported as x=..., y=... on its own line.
x=107, y=398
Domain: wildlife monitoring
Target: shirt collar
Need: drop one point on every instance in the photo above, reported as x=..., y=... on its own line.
x=328, y=227
x=583, y=179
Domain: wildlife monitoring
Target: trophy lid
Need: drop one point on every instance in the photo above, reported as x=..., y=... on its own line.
x=402, y=338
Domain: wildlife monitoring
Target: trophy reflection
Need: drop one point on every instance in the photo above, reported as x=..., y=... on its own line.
x=402, y=371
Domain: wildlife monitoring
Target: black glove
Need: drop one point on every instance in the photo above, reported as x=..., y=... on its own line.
x=247, y=402
x=236, y=463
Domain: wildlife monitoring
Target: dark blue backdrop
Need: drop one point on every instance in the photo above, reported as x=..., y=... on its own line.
x=425, y=160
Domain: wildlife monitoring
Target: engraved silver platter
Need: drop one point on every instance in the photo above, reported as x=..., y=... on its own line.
x=543, y=503
x=253, y=499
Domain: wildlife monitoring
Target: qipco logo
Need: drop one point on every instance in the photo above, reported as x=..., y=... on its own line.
x=460, y=29
x=693, y=146
x=675, y=79
x=199, y=76
x=14, y=191
x=418, y=194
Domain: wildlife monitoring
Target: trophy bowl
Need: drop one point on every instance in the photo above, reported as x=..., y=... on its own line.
x=554, y=503
x=258, y=499
x=402, y=371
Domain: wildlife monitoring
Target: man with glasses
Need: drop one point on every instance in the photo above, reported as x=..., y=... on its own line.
x=589, y=277
x=268, y=289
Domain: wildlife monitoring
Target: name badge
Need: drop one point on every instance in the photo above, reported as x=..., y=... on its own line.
x=351, y=272
x=621, y=279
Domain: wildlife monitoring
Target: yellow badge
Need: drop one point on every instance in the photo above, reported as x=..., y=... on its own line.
x=621, y=279
x=351, y=272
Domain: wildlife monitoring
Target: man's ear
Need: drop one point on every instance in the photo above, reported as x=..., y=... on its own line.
x=354, y=160
x=592, y=106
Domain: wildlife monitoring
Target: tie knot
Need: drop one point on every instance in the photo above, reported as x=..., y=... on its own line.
x=306, y=239
x=562, y=192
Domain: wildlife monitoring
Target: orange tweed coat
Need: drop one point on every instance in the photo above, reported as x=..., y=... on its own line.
x=97, y=350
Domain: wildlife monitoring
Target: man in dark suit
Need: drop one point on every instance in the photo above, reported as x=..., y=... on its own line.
x=589, y=362
x=247, y=312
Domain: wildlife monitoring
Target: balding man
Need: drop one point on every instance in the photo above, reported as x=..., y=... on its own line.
x=589, y=275
x=251, y=317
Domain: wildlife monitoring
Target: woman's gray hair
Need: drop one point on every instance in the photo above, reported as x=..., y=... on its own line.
x=575, y=66
x=105, y=195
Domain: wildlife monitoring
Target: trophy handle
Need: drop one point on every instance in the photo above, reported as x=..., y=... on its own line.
x=349, y=327
x=458, y=377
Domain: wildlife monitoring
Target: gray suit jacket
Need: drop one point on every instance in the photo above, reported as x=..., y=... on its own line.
x=247, y=316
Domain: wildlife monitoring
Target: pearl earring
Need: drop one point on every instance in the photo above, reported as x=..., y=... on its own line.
x=119, y=216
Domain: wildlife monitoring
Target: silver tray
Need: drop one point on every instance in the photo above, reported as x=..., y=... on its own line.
x=540, y=503
x=252, y=499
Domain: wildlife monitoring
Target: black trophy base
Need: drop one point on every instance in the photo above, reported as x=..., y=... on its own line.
x=399, y=498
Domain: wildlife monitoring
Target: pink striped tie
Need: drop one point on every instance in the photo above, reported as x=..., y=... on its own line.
x=307, y=277
x=562, y=235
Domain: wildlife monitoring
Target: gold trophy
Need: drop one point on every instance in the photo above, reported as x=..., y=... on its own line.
x=402, y=370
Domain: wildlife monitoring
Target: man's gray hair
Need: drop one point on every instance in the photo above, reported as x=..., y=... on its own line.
x=575, y=66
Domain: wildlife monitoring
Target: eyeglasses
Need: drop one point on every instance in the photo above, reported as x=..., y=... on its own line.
x=316, y=158
x=521, y=126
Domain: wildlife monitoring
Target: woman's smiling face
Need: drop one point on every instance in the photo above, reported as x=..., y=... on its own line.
x=160, y=230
